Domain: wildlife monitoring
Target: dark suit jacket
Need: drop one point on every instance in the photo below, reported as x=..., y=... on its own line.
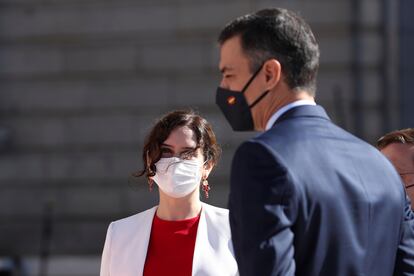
x=308, y=198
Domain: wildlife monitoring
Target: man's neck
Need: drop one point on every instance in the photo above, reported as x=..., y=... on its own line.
x=276, y=101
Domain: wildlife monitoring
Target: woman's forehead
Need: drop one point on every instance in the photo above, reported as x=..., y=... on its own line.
x=181, y=137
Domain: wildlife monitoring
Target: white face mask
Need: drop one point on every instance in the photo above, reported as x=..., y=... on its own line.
x=177, y=177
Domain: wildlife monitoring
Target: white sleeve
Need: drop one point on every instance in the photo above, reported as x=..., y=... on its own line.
x=106, y=254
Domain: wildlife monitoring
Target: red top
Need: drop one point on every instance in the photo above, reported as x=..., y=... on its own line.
x=171, y=247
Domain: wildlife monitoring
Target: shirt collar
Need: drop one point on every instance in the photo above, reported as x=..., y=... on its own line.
x=285, y=108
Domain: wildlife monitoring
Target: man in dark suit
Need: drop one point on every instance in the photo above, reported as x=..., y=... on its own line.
x=307, y=197
x=398, y=147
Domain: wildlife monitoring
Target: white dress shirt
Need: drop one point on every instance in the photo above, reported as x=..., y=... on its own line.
x=284, y=109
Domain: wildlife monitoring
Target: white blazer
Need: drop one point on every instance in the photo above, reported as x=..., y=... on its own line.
x=127, y=242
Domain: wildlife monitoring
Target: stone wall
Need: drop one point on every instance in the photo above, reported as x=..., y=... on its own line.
x=82, y=81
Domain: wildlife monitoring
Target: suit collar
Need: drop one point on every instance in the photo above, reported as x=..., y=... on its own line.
x=303, y=111
x=284, y=109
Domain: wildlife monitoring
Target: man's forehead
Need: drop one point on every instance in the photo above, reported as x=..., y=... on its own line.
x=232, y=58
x=230, y=49
x=400, y=153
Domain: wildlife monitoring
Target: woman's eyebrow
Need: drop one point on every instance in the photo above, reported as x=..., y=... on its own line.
x=166, y=145
x=184, y=148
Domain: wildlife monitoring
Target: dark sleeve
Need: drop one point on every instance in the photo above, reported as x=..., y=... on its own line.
x=262, y=210
x=404, y=264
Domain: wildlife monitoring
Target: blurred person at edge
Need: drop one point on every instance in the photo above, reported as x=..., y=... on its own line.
x=398, y=147
x=306, y=197
x=182, y=235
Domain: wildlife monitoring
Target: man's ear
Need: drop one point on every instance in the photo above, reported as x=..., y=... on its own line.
x=273, y=72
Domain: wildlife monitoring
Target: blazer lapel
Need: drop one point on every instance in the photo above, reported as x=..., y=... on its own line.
x=139, y=244
x=201, y=250
x=213, y=251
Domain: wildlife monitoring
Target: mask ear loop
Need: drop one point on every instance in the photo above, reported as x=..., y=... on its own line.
x=259, y=99
x=249, y=82
x=252, y=78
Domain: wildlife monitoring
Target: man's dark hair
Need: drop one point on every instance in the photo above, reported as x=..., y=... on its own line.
x=282, y=35
x=402, y=136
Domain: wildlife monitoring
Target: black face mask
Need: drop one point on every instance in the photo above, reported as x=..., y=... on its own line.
x=234, y=106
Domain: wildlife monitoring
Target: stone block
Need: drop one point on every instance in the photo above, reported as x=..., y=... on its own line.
x=198, y=90
x=20, y=236
x=75, y=131
x=100, y=58
x=68, y=167
x=332, y=83
x=67, y=265
x=193, y=16
x=29, y=61
x=89, y=18
x=188, y=57
x=323, y=12
x=79, y=95
x=373, y=128
x=84, y=81
x=337, y=50
x=15, y=167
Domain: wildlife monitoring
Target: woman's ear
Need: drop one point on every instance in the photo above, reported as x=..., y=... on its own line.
x=208, y=166
x=273, y=71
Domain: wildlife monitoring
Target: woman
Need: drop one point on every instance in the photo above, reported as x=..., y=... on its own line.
x=182, y=235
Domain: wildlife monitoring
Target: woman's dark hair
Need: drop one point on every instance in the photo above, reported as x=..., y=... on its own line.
x=203, y=132
x=278, y=34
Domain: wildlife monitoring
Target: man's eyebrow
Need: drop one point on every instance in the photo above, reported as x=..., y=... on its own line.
x=225, y=68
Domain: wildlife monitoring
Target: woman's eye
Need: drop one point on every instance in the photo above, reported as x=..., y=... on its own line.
x=188, y=154
x=166, y=153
